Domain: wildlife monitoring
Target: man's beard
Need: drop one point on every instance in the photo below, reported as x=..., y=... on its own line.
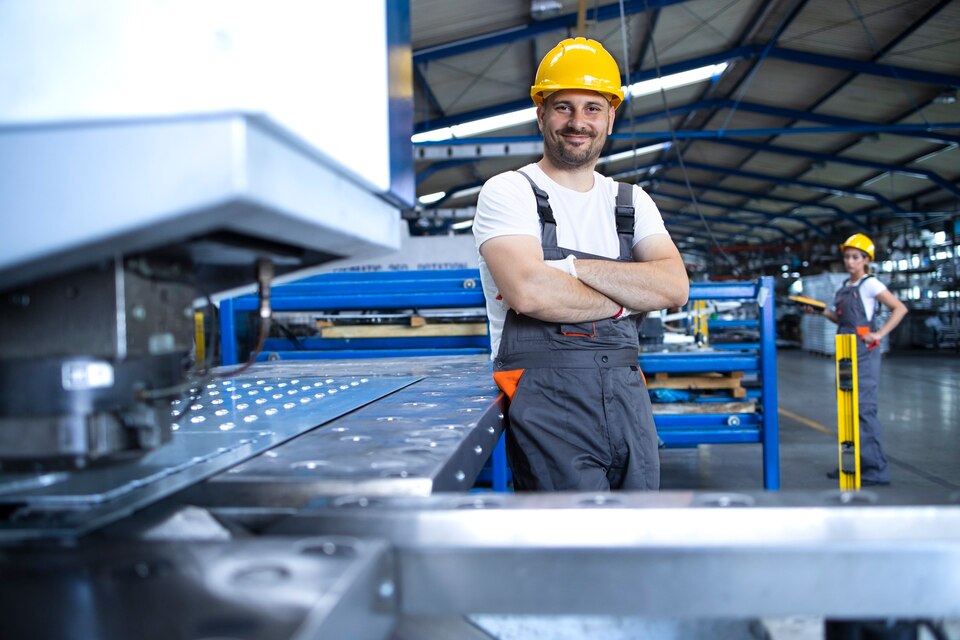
x=568, y=157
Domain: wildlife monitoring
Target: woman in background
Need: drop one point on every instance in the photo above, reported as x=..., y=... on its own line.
x=854, y=312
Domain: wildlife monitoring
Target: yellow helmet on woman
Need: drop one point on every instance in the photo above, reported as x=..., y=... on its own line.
x=859, y=241
x=578, y=63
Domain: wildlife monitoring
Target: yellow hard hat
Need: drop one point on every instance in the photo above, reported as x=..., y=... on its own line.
x=578, y=63
x=859, y=241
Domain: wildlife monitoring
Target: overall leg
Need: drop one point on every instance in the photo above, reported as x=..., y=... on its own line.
x=556, y=440
x=629, y=417
x=873, y=462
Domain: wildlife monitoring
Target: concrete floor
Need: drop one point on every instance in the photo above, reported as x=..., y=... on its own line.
x=919, y=414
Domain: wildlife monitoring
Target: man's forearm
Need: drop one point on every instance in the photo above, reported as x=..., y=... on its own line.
x=558, y=297
x=641, y=286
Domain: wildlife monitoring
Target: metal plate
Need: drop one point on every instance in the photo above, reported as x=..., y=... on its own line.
x=327, y=587
x=234, y=419
x=432, y=436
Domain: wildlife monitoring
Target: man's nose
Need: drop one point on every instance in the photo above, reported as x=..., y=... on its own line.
x=576, y=118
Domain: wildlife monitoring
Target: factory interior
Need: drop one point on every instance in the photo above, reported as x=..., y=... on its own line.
x=246, y=367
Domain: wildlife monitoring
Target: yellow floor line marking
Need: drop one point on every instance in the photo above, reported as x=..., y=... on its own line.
x=802, y=420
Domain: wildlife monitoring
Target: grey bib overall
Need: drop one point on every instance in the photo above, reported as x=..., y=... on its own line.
x=580, y=417
x=852, y=315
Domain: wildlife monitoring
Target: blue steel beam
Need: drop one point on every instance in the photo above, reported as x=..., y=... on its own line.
x=914, y=131
x=856, y=162
x=734, y=221
x=532, y=29
x=755, y=196
x=431, y=99
x=921, y=21
x=687, y=229
x=731, y=207
x=869, y=68
x=857, y=125
x=695, y=225
x=730, y=55
x=688, y=134
x=813, y=186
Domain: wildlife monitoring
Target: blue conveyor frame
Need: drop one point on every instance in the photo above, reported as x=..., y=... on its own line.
x=461, y=289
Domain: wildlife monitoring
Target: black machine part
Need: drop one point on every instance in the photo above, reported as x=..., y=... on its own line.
x=84, y=359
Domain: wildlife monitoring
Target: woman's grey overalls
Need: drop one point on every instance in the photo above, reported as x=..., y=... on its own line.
x=851, y=314
x=580, y=417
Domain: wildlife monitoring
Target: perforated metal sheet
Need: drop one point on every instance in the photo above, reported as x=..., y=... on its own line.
x=234, y=419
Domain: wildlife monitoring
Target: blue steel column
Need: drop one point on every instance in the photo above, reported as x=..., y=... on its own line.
x=228, y=333
x=499, y=462
x=768, y=373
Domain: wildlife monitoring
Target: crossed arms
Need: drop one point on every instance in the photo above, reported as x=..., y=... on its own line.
x=657, y=280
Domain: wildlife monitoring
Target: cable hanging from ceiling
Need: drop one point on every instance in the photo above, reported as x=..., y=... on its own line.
x=673, y=134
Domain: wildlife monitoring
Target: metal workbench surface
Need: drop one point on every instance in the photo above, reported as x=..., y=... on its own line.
x=389, y=427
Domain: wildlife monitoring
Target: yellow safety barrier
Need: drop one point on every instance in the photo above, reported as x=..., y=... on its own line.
x=199, y=337
x=848, y=412
x=701, y=331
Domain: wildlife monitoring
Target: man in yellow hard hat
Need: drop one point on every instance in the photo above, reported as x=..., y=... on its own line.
x=569, y=261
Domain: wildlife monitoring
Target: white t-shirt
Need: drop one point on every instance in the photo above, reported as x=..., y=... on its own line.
x=585, y=222
x=869, y=290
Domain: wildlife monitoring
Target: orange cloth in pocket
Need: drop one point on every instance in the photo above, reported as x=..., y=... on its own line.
x=508, y=381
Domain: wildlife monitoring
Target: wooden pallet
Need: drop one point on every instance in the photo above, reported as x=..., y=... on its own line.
x=695, y=408
x=729, y=381
x=417, y=328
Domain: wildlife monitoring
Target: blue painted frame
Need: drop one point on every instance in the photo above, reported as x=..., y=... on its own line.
x=461, y=288
x=759, y=358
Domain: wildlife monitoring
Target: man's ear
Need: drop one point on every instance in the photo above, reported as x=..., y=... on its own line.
x=540, y=116
x=613, y=115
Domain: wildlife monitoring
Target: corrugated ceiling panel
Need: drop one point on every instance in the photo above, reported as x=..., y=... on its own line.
x=851, y=29
x=934, y=46
x=693, y=29
x=440, y=21
x=891, y=149
x=877, y=99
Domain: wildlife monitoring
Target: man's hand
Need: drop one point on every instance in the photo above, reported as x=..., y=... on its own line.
x=566, y=265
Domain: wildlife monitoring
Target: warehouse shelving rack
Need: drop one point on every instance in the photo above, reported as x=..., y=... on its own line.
x=753, y=359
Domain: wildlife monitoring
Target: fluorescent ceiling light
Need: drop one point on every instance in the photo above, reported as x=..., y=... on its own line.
x=513, y=118
x=630, y=153
x=430, y=198
x=465, y=192
x=466, y=224
x=675, y=80
x=472, y=128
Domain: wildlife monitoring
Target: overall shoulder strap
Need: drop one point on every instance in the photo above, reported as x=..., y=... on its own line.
x=625, y=209
x=624, y=213
x=543, y=201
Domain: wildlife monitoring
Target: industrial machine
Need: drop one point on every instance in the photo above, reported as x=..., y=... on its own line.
x=153, y=154
x=136, y=193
